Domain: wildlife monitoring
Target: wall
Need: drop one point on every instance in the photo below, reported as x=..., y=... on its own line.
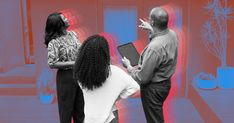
x=11, y=43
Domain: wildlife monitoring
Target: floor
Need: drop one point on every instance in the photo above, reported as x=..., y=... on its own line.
x=21, y=107
x=221, y=102
x=28, y=109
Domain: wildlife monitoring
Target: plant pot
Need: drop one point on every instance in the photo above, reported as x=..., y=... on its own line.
x=205, y=81
x=46, y=98
x=205, y=84
x=225, y=77
x=45, y=91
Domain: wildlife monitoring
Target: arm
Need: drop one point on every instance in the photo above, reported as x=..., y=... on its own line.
x=131, y=86
x=151, y=62
x=62, y=65
x=53, y=58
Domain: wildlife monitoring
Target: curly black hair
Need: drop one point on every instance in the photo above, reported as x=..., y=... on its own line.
x=92, y=65
x=55, y=27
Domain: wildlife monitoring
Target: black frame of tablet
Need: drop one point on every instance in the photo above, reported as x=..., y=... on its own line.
x=133, y=47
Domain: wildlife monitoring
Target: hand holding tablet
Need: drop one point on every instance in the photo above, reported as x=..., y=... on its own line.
x=129, y=54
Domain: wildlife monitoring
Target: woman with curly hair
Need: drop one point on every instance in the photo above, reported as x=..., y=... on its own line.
x=62, y=46
x=102, y=83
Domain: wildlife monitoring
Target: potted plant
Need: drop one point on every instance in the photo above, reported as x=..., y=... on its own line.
x=205, y=81
x=215, y=36
x=45, y=89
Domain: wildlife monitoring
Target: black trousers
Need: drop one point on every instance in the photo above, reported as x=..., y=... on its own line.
x=153, y=96
x=70, y=98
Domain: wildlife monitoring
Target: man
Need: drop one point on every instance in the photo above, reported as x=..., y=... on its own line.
x=156, y=65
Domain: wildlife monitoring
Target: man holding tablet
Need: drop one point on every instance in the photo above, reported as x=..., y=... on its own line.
x=156, y=65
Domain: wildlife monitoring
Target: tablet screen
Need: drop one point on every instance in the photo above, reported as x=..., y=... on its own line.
x=129, y=51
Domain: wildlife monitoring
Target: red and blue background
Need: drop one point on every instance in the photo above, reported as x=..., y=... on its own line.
x=27, y=85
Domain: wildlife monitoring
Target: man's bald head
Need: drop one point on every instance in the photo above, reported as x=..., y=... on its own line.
x=159, y=18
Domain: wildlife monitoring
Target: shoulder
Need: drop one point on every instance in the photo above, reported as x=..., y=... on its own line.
x=174, y=39
x=72, y=33
x=74, y=36
x=117, y=70
x=172, y=32
x=155, y=45
x=121, y=76
x=159, y=43
x=52, y=42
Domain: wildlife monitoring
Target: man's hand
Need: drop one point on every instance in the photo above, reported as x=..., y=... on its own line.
x=145, y=25
x=126, y=62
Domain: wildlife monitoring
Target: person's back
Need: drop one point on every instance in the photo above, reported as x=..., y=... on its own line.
x=156, y=65
x=102, y=84
x=167, y=46
x=100, y=101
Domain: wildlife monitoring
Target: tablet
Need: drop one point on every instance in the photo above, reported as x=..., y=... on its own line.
x=129, y=51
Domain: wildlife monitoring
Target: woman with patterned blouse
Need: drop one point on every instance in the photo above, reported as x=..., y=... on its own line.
x=62, y=48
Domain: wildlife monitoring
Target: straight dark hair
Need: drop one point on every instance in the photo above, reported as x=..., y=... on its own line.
x=92, y=65
x=55, y=27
